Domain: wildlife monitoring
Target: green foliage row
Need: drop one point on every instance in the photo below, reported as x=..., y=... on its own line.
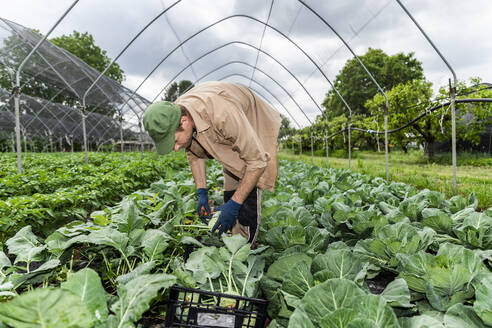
x=424, y=256
x=45, y=173
x=68, y=189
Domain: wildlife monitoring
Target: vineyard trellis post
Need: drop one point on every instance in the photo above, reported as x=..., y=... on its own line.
x=140, y=140
x=386, y=149
x=84, y=131
x=300, y=144
x=312, y=151
x=120, y=118
x=349, y=122
x=327, y=147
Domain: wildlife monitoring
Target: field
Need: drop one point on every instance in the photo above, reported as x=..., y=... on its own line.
x=56, y=187
x=336, y=249
x=474, y=173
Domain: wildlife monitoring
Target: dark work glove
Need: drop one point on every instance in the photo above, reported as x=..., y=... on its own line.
x=228, y=216
x=203, y=209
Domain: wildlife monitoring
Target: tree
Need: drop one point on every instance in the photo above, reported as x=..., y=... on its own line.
x=285, y=129
x=406, y=102
x=471, y=118
x=84, y=47
x=356, y=87
x=409, y=100
x=177, y=89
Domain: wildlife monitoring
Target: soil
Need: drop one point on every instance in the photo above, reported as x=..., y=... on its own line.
x=377, y=284
x=155, y=322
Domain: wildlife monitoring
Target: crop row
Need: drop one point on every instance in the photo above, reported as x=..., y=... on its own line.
x=48, y=198
x=47, y=172
x=336, y=249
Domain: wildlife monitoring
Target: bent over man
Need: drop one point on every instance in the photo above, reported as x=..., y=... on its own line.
x=229, y=123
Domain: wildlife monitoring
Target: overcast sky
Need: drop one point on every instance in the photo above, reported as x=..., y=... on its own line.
x=460, y=29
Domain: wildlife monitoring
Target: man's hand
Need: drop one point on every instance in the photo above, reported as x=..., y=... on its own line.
x=228, y=216
x=203, y=209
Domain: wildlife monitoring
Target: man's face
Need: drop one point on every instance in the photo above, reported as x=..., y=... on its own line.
x=184, y=133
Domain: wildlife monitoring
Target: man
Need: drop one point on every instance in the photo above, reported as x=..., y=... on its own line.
x=231, y=124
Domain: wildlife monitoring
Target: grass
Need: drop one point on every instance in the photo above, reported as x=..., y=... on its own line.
x=473, y=173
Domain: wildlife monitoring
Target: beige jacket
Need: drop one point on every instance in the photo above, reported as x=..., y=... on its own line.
x=235, y=127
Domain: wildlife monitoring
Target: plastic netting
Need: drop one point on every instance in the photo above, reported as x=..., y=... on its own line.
x=61, y=75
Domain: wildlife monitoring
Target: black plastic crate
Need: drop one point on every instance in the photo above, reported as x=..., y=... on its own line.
x=199, y=308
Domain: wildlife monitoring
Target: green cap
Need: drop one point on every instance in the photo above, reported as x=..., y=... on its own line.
x=160, y=120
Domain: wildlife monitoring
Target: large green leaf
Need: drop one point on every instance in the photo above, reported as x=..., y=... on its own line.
x=273, y=292
x=476, y=230
x=250, y=280
x=397, y=294
x=457, y=203
x=135, y=297
x=36, y=276
x=398, y=238
x=298, y=280
x=459, y=216
x=281, y=266
x=362, y=323
x=373, y=309
x=142, y=268
x=204, y=263
x=483, y=295
x=46, y=307
x=329, y=296
x=422, y=321
x=234, y=242
x=338, y=263
x=412, y=207
x=108, y=237
x=276, y=238
x=446, y=277
x=299, y=319
x=25, y=245
x=459, y=316
x=437, y=220
x=317, y=239
x=4, y=261
x=87, y=285
x=340, y=303
x=413, y=268
x=295, y=235
x=339, y=318
x=129, y=219
x=58, y=242
x=154, y=243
